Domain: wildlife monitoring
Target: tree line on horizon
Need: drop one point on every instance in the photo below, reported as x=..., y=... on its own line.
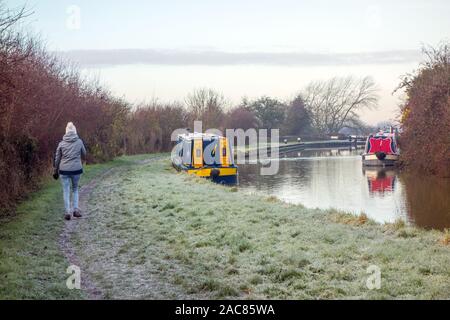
x=149, y=125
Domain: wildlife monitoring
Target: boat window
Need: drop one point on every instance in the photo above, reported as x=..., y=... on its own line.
x=223, y=147
x=210, y=152
x=186, y=152
x=198, y=153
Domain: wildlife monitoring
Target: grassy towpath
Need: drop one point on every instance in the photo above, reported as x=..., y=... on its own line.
x=150, y=232
x=155, y=233
x=32, y=264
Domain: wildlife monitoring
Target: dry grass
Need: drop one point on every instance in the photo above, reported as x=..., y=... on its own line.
x=349, y=219
x=445, y=239
x=397, y=225
x=272, y=199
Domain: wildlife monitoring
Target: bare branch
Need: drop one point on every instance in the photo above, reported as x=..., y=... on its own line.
x=332, y=102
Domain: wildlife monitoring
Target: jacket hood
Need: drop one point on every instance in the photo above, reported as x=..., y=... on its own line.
x=70, y=137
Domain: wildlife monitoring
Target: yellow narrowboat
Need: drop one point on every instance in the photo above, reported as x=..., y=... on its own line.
x=205, y=155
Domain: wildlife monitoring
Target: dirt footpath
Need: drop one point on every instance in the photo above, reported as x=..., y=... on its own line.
x=76, y=228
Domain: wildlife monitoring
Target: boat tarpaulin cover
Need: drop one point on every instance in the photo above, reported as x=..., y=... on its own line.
x=380, y=145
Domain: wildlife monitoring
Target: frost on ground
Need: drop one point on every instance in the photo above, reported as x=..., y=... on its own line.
x=153, y=233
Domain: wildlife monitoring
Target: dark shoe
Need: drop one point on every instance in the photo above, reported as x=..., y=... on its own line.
x=67, y=216
x=77, y=213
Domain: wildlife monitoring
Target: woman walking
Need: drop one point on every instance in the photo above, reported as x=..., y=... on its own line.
x=68, y=163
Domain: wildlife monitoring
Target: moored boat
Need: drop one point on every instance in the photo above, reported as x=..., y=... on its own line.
x=205, y=155
x=381, y=150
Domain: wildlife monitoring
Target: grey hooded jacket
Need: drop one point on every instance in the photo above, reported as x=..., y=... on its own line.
x=68, y=155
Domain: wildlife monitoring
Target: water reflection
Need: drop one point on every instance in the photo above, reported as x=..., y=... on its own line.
x=334, y=178
x=428, y=200
x=380, y=181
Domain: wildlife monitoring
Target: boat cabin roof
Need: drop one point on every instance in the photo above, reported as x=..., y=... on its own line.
x=197, y=135
x=382, y=134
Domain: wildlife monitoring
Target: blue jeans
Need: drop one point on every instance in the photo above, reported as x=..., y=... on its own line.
x=66, y=182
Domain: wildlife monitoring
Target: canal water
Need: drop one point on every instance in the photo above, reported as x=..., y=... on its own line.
x=335, y=178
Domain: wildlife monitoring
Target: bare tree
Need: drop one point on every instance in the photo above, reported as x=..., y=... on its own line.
x=208, y=106
x=11, y=41
x=334, y=103
x=9, y=18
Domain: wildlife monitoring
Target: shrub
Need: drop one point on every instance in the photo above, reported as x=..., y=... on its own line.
x=425, y=141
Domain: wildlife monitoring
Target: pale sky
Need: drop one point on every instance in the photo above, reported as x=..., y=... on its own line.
x=147, y=49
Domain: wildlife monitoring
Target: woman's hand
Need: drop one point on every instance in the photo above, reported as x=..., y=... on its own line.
x=55, y=173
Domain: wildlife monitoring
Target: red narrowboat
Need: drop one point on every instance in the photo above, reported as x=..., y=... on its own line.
x=381, y=150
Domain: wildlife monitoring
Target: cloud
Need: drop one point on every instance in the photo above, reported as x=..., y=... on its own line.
x=99, y=58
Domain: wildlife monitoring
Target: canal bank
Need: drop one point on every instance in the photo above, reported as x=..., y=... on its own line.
x=336, y=178
x=151, y=232
x=284, y=148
